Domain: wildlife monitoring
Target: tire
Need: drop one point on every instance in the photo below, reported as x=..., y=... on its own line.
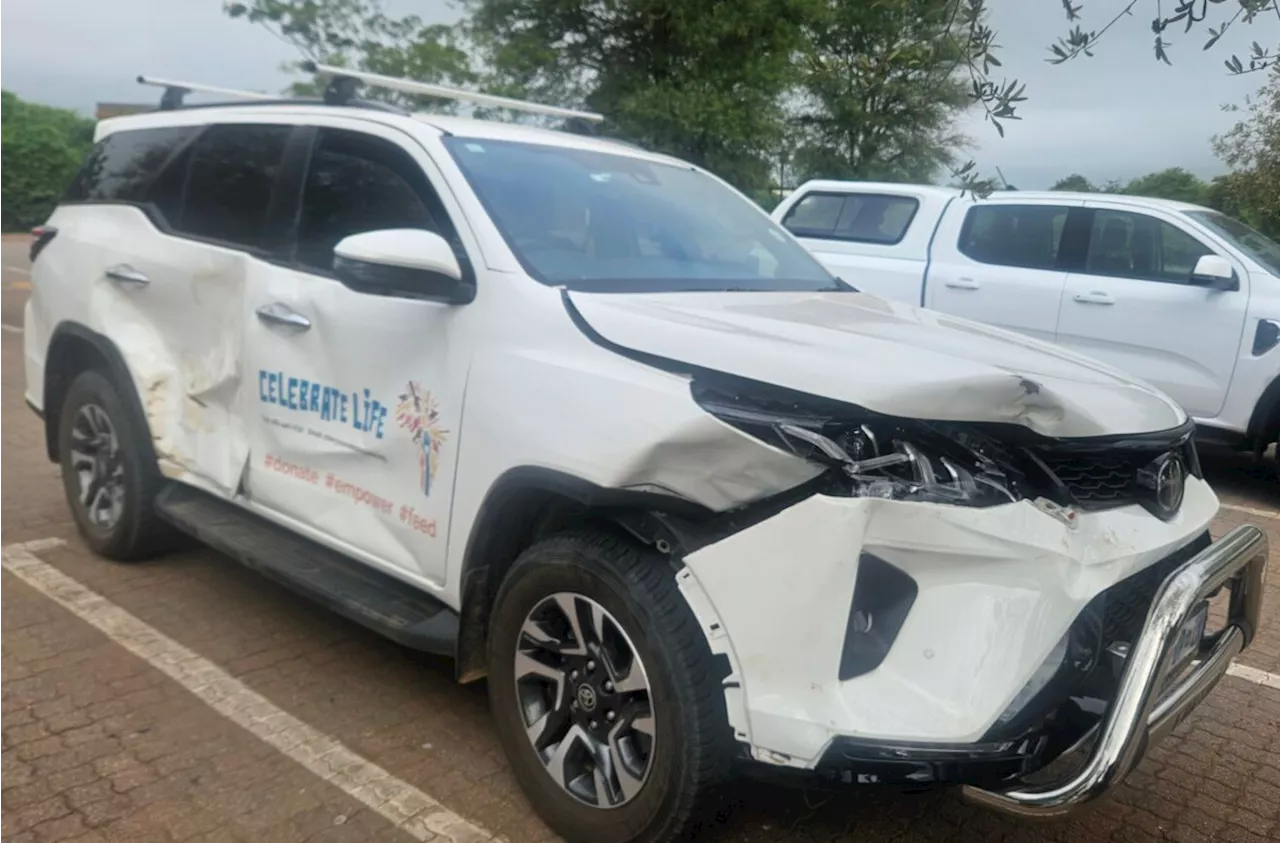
x=93, y=415
x=691, y=741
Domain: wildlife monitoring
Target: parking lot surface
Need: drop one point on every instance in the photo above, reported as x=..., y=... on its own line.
x=187, y=699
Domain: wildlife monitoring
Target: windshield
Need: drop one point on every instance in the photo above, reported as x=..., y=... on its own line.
x=600, y=222
x=1261, y=248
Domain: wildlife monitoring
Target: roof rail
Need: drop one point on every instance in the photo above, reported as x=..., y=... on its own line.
x=343, y=84
x=175, y=91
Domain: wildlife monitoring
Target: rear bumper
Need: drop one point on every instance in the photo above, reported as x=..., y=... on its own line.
x=1150, y=702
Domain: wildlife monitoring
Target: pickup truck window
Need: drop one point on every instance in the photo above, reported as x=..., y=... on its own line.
x=1129, y=245
x=1014, y=235
x=856, y=217
x=1257, y=246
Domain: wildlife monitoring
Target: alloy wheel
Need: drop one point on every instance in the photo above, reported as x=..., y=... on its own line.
x=99, y=466
x=585, y=700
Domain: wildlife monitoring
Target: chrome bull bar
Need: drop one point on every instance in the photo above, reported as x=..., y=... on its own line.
x=1144, y=709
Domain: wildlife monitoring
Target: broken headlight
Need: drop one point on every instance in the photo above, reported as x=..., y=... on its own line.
x=869, y=455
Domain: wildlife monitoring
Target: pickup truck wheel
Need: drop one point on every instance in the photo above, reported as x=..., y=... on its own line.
x=109, y=479
x=604, y=693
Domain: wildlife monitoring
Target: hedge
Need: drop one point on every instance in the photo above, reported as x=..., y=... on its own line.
x=42, y=148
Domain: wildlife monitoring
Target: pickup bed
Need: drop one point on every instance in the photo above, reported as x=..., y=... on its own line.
x=1178, y=295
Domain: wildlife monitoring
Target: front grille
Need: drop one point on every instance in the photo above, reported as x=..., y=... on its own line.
x=1125, y=604
x=1106, y=477
x=1098, y=482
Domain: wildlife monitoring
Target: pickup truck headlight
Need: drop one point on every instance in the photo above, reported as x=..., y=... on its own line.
x=870, y=455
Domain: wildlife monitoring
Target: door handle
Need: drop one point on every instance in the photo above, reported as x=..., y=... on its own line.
x=281, y=314
x=1095, y=298
x=964, y=284
x=124, y=272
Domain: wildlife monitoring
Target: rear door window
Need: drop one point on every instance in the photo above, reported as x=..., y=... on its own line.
x=121, y=166
x=854, y=217
x=230, y=181
x=1014, y=235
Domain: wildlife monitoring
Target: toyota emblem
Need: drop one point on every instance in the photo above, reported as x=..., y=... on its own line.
x=1166, y=479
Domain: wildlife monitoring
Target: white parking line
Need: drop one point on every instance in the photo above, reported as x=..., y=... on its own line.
x=1261, y=513
x=12, y=329
x=1257, y=677
x=18, y=270
x=404, y=805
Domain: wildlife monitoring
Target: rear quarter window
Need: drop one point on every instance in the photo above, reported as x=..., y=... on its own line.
x=121, y=166
x=855, y=217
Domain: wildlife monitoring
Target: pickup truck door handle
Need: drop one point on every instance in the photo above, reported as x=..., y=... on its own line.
x=281, y=314
x=127, y=274
x=964, y=284
x=1095, y=297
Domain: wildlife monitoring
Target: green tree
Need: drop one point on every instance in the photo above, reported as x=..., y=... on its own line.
x=1252, y=150
x=42, y=148
x=359, y=34
x=1173, y=183
x=1076, y=183
x=703, y=80
x=878, y=89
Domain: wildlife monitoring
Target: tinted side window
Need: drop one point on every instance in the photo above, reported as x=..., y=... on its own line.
x=358, y=183
x=232, y=172
x=815, y=215
x=122, y=165
x=860, y=217
x=1014, y=235
x=1129, y=245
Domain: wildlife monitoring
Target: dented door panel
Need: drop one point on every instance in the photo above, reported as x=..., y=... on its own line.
x=180, y=332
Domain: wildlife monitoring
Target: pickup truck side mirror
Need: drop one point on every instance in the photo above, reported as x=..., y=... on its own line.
x=406, y=262
x=1214, y=272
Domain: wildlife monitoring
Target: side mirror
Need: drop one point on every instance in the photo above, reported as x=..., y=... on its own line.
x=1214, y=272
x=407, y=262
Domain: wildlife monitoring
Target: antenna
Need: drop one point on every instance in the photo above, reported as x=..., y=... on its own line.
x=174, y=91
x=342, y=87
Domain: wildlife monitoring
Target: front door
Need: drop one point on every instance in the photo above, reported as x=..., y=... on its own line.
x=356, y=400
x=1132, y=305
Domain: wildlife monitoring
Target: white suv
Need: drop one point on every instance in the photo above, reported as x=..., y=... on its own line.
x=584, y=418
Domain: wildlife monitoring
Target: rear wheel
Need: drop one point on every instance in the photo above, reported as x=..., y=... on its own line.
x=108, y=472
x=604, y=692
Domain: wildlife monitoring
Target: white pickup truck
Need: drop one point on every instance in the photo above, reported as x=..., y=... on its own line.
x=1178, y=295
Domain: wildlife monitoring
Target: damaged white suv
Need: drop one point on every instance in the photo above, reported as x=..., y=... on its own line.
x=587, y=420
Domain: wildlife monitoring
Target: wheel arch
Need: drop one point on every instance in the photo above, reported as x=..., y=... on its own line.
x=1264, y=424
x=524, y=505
x=73, y=349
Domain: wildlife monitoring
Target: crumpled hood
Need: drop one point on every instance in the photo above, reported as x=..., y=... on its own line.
x=885, y=356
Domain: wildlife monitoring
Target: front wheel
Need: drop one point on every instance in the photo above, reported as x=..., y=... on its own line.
x=605, y=695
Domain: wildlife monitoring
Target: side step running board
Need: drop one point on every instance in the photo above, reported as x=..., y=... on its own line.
x=367, y=596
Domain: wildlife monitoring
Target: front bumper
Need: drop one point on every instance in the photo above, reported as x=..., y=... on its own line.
x=1150, y=702
x=983, y=602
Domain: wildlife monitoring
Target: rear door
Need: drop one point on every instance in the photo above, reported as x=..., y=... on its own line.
x=171, y=224
x=875, y=241
x=1131, y=304
x=1000, y=263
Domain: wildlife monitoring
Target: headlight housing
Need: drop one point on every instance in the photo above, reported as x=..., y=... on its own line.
x=871, y=455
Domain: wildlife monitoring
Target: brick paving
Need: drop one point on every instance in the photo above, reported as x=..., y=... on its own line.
x=98, y=745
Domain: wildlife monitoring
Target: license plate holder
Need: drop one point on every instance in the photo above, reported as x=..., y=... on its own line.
x=1186, y=643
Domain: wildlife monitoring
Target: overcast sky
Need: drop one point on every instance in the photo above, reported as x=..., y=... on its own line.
x=1114, y=116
